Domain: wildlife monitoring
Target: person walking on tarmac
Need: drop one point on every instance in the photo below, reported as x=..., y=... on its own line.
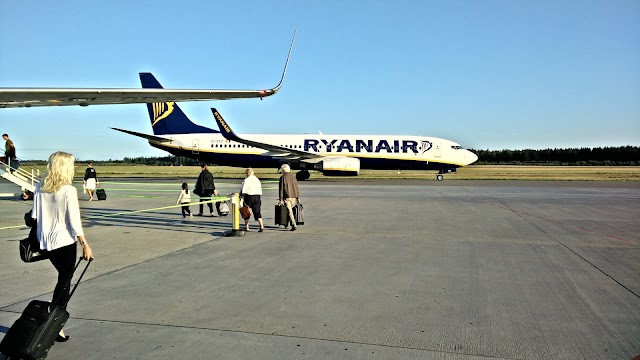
x=59, y=229
x=205, y=188
x=250, y=191
x=184, y=199
x=90, y=180
x=288, y=192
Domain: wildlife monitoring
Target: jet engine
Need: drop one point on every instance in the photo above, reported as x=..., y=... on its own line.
x=339, y=166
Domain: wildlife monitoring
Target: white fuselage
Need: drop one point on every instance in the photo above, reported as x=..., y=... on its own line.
x=373, y=151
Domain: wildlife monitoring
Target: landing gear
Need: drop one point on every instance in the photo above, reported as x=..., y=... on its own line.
x=441, y=173
x=303, y=175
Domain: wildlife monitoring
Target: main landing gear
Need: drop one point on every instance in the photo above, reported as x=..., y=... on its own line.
x=303, y=175
x=439, y=177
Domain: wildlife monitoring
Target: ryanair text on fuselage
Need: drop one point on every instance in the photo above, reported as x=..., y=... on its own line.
x=369, y=146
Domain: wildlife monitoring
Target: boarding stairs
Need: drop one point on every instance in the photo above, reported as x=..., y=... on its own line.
x=24, y=177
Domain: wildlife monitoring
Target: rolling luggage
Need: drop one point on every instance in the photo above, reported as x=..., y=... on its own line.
x=298, y=213
x=282, y=215
x=101, y=194
x=35, y=331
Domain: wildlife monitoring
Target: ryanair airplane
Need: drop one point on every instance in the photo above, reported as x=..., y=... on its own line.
x=329, y=154
x=29, y=97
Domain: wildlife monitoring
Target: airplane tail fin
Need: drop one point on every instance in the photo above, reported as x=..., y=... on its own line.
x=168, y=118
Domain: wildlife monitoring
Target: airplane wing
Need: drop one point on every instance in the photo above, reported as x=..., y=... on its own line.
x=28, y=97
x=24, y=97
x=274, y=151
x=144, y=136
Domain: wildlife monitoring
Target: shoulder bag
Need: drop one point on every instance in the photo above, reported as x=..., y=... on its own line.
x=30, y=247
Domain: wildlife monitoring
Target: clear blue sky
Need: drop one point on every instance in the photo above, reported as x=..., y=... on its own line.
x=488, y=74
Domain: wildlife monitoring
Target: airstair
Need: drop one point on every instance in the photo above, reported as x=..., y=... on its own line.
x=24, y=177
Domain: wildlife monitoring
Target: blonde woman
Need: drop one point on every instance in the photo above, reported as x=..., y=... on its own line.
x=250, y=191
x=55, y=207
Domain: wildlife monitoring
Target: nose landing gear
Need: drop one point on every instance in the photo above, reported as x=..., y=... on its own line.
x=441, y=173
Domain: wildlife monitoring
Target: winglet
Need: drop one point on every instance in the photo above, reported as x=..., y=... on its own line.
x=224, y=127
x=286, y=64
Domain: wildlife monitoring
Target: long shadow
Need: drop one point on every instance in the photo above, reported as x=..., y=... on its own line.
x=152, y=220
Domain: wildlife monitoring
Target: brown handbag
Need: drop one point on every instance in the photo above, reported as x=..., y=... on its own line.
x=245, y=211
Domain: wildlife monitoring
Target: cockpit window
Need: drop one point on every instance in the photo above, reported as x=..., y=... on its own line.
x=456, y=147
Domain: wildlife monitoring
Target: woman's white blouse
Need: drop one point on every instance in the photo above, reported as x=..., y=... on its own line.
x=251, y=186
x=58, y=216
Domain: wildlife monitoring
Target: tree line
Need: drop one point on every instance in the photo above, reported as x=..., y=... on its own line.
x=158, y=161
x=599, y=156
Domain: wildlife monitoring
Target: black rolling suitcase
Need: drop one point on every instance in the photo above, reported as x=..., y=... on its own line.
x=282, y=215
x=101, y=194
x=298, y=213
x=35, y=331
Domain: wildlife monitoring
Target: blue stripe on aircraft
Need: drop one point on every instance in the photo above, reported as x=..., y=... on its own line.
x=258, y=161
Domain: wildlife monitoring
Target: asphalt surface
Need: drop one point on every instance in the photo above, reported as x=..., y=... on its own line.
x=380, y=270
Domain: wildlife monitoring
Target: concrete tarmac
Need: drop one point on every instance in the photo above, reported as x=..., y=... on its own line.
x=380, y=270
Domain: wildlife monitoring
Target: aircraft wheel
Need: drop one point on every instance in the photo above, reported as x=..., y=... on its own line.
x=439, y=177
x=303, y=175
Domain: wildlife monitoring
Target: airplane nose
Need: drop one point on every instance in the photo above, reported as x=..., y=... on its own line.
x=471, y=157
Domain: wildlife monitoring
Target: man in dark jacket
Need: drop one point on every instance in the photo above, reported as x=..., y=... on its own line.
x=10, y=152
x=288, y=192
x=9, y=148
x=205, y=188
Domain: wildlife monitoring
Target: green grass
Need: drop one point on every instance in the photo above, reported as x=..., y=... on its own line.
x=473, y=172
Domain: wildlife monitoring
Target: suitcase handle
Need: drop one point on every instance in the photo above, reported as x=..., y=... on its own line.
x=80, y=278
x=77, y=282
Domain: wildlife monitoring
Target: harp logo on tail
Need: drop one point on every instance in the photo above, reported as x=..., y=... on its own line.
x=161, y=111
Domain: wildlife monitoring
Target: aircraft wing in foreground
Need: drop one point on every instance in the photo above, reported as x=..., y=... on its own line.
x=28, y=97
